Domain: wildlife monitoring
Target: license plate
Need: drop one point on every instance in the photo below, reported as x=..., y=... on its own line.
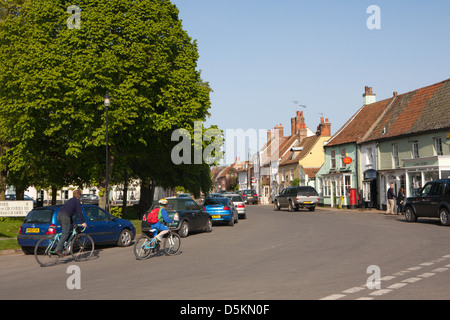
x=32, y=230
x=216, y=217
x=250, y=197
x=308, y=202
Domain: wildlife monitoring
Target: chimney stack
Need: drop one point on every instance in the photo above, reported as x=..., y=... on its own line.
x=324, y=128
x=368, y=96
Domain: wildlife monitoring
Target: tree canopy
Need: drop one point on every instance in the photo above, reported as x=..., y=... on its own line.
x=56, y=64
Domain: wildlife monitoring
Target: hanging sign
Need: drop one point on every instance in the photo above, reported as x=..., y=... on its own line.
x=347, y=160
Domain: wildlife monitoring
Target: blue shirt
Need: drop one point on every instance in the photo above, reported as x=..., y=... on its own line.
x=72, y=206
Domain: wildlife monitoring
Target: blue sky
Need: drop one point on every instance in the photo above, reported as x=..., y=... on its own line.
x=260, y=55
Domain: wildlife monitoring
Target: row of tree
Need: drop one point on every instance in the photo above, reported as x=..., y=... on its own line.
x=56, y=66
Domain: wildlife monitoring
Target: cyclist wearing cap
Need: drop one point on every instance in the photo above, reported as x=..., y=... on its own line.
x=163, y=217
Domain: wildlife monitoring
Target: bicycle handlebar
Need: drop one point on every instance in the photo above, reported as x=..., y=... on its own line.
x=79, y=225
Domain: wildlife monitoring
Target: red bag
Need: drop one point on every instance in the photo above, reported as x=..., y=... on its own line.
x=152, y=216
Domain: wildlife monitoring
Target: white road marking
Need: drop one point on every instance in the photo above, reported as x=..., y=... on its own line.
x=395, y=286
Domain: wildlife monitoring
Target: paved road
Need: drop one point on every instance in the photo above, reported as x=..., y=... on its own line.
x=271, y=255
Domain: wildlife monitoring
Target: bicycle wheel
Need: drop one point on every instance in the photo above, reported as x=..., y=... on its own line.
x=172, y=244
x=143, y=248
x=44, y=251
x=82, y=247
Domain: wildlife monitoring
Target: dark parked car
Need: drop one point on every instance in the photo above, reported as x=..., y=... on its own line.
x=433, y=201
x=294, y=198
x=103, y=227
x=187, y=216
x=25, y=197
x=87, y=198
x=250, y=196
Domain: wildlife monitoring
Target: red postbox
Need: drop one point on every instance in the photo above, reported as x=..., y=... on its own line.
x=353, y=198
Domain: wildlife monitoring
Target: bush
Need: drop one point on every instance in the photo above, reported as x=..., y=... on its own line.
x=116, y=211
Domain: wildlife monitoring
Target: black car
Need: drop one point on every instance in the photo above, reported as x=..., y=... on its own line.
x=250, y=196
x=294, y=198
x=87, y=198
x=187, y=216
x=433, y=201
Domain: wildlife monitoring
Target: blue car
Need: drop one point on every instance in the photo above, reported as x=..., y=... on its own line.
x=221, y=210
x=102, y=226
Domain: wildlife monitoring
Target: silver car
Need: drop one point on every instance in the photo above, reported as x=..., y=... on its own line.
x=239, y=204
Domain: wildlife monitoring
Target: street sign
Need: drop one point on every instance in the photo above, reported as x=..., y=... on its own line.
x=14, y=208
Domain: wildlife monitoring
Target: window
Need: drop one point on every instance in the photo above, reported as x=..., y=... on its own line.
x=395, y=155
x=369, y=156
x=415, y=149
x=438, y=146
x=347, y=183
x=292, y=174
x=343, y=155
x=94, y=214
x=333, y=159
x=327, y=187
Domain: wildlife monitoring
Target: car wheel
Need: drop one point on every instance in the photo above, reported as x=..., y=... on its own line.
x=231, y=222
x=184, y=229
x=312, y=208
x=125, y=238
x=444, y=217
x=410, y=216
x=209, y=226
x=291, y=206
x=277, y=205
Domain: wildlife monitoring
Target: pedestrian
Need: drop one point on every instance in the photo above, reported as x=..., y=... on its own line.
x=400, y=201
x=390, y=200
x=65, y=219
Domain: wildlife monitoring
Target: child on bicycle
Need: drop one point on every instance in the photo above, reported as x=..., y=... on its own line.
x=162, y=217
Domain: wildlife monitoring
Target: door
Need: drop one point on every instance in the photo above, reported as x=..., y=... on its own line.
x=422, y=202
x=284, y=197
x=434, y=199
x=100, y=224
x=197, y=218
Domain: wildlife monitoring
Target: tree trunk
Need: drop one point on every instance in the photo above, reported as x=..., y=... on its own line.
x=3, y=185
x=54, y=195
x=125, y=194
x=146, y=199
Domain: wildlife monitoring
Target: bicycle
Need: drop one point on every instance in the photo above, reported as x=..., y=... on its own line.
x=79, y=245
x=147, y=244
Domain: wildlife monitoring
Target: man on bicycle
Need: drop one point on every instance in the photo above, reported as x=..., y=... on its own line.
x=65, y=218
x=162, y=217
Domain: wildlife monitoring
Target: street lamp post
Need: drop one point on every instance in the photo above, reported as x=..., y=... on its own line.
x=107, y=103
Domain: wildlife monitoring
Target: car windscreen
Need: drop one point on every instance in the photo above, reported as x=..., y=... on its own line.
x=215, y=201
x=39, y=216
x=236, y=199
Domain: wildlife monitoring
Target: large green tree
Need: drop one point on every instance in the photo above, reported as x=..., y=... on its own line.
x=55, y=68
